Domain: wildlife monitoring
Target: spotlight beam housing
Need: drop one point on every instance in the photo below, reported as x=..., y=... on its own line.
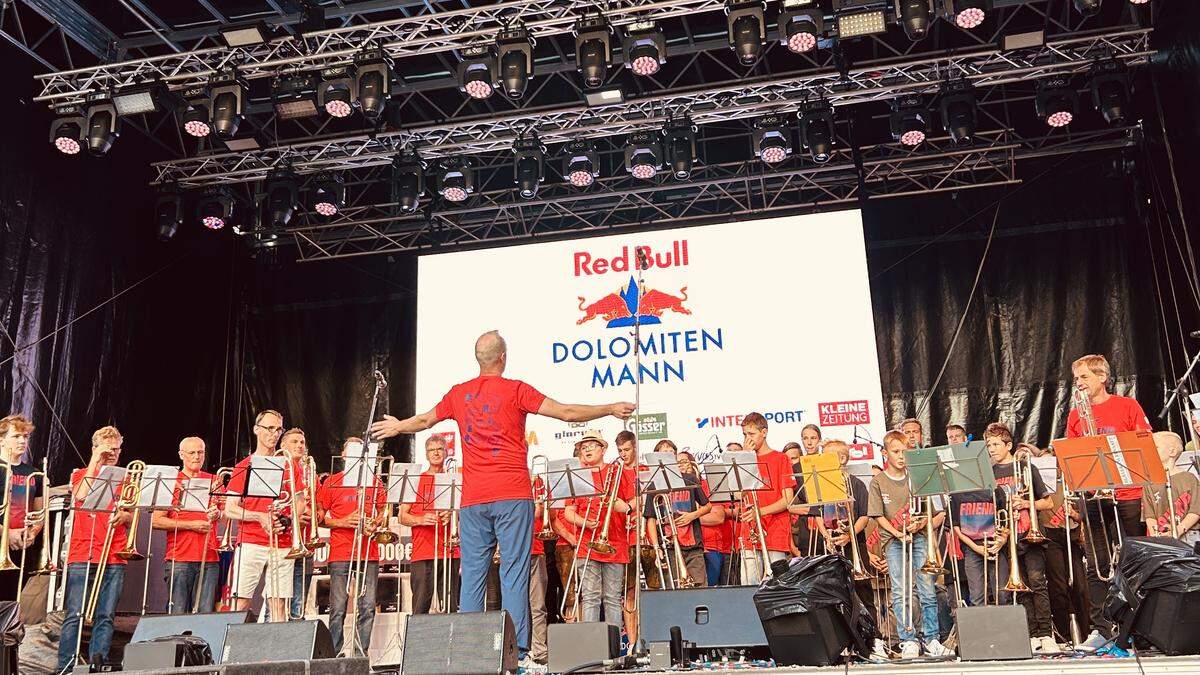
x=168, y=212
x=456, y=180
x=1056, y=101
x=643, y=154
x=801, y=25
x=593, y=49
x=102, y=125
x=408, y=181
x=679, y=144
x=528, y=165
x=1111, y=91
x=477, y=72
x=644, y=49
x=909, y=120
x=914, y=17
x=514, y=60
x=328, y=194
x=772, y=139
x=581, y=163
x=214, y=208
x=336, y=93
x=66, y=131
x=282, y=196
x=816, y=130
x=745, y=24
x=228, y=99
x=959, y=111
x=372, y=81
x=196, y=118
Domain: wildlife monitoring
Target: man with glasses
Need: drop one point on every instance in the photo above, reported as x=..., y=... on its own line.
x=191, y=541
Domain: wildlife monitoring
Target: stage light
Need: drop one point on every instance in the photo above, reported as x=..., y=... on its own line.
x=373, y=81
x=1088, y=7
x=514, y=58
x=336, y=92
x=168, y=213
x=643, y=154
x=66, y=131
x=144, y=98
x=244, y=34
x=581, y=164
x=528, y=165
x=408, y=181
x=593, y=49
x=645, y=49
x=1110, y=90
x=456, y=181
x=1139, y=2
x=283, y=195
x=800, y=25
x=816, y=130
x=772, y=139
x=102, y=124
x=856, y=18
x=967, y=13
x=1056, y=101
x=746, y=27
x=477, y=72
x=679, y=144
x=196, y=118
x=958, y=108
x=909, y=120
x=328, y=194
x=214, y=209
x=914, y=16
x=294, y=96
x=228, y=96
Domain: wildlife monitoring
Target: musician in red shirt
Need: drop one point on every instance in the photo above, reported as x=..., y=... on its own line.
x=88, y=534
x=771, y=503
x=353, y=560
x=717, y=529
x=192, y=573
x=430, y=536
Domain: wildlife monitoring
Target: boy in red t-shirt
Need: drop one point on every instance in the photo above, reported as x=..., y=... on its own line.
x=192, y=570
x=771, y=504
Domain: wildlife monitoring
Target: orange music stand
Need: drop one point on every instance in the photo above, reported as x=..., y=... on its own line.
x=1126, y=459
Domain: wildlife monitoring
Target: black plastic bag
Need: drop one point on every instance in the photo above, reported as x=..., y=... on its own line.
x=1147, y=564
x=815, y=582
x=196, y=651
x=11, y=626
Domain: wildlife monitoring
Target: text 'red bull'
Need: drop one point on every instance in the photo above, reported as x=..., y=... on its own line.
x=587, y=265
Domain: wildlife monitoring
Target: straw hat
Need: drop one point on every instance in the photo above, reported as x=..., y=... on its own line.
x=592, y=435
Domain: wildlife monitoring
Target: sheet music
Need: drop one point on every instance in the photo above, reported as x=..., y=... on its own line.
x=195, y=495
x=403, y=480
x=265, y=477
x=102, y=489
x=1047, y=466
x=661, y=474
x=158, y=487
x=447, y=490
x=569, y=479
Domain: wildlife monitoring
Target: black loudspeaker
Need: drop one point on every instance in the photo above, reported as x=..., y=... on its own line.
x=993, y=633
x=574, y=644
x=474, y=643
x=319, y=667
x=287, y=641
x=814, y=638
x=724, y=616
x=1170, y=622
x=209, y=627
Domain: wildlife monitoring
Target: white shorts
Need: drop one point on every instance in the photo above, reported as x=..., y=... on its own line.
x=248, y=563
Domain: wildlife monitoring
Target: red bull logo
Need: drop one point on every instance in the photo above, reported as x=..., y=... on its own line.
x=628, y=307
x=643, y=257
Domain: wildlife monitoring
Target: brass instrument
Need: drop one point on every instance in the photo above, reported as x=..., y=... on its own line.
x=1083, y=406
x=452, y=539
x=298, y=549
x=129, y=550
x=547, y=532
x=1006, y=521
x=858, y=572
x=601, y=544
x=933, y=553
x=128, y=499
x=383, y=533
x=6, y=563
x=224, y=475
x=758, y=537
x=45, y=565
x=275, y=512
x=1025, y=487
x=314, y=540
x=663, y=507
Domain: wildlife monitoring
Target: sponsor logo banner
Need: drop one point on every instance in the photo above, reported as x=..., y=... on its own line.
x=651, y=426
x=844, y=413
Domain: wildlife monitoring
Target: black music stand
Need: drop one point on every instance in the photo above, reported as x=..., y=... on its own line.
x=103, y=490
x=739, y=473
x=403, y=481
x=664, y=474
x=447, y=492
x=568, y=479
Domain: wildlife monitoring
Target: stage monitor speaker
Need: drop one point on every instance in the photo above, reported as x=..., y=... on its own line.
x=210, y=627
x=724, y=616
x=471, y=643
x=573, y=644
x=355, y=666
x=165, y=653
x=286, y=641
x=1170, y=622
x=994, y=633
x=815, y=638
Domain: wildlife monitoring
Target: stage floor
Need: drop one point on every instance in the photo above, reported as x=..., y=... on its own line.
x=1067, y=665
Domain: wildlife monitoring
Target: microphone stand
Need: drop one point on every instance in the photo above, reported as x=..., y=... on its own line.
x=1179, y=387
x=858, y=438
x=352, y=597
x=642, y=263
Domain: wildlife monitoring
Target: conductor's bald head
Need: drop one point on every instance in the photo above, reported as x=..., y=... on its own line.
x=490, y=352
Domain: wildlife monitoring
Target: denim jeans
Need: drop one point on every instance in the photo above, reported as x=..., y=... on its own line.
x=102, y=622
x=339, y=575
x=481, y=526
x=602, y=582
x=300, y=583
x=181, y=578
x=714, y=567
x=926, y=593
x=997, y=577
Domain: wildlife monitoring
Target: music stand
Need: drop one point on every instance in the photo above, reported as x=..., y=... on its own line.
x=950, y=469
x=264, y=476
x=1125, y=459
x=821, y=480
x=195, y=496
x=664, y=477
x=740, y=473
x=157, y=490
x=357, y=465
x=567, y=479
x=714, y=473
x=447, y=492
x=403, y=480
x=103, y=489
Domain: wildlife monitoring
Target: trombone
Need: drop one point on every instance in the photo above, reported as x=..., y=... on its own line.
x=314, y=541
x=680, y=578
x=573, y=575
x=1007, y=523
x=546, y=532
x=128, y=499
x=223, y=476
x=41, y=515
x=1023, y=478
x=601, y=544
x=6, y=563
x=758, y=538
x=298, y=549
x=1083, y=405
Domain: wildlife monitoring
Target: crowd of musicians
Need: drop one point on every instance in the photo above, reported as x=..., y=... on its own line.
x=914, y=559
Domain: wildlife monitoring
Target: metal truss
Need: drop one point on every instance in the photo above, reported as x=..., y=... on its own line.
x=716, y=192
x=719, y=102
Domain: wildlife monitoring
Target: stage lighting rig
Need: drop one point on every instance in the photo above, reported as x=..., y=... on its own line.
x=679, y=143
x=914, y=17
x=643, y=154
x=644, y=48
x=816, y=130
x=745, y=23
x=336, y=93
x=477, y=72
x=966, y=13
x=196, y=118
x=801, y=25
x=228, y=98
x=1088, y=7
x=294, y=96
x=372, y=81
x=581, y=164
x=593, y=49
x=1056, y=101
x=1110, y=90
x=514, y=59
x=328, y=194
x=909, y=120
x=455, y=179
x=168, y=212
x=145, y=98
x=214, y=209
x=959, y=110
x=245, y=34
x=283, y=195
x=102, y=126
x=408, y=181
x=856, y=18
x=66, y=131
x=528, y=165
x=772, y=139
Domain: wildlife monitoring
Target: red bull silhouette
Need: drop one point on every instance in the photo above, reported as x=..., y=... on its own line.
x=620, y=309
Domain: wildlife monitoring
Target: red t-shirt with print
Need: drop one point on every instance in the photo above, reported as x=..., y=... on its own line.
x=618, y=534
x=776, y=470
x=1117, y=414
x=187, y=545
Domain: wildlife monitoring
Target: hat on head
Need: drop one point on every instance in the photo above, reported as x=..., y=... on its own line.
x=592, y=435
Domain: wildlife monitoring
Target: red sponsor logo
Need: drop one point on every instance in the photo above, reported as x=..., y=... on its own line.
x=449, y=437
x=844, y=413
x=862, y=452
x=587, y=265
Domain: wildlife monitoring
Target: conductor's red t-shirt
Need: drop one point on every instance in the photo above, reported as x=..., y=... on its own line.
x=1117, y=414
x=490, y=411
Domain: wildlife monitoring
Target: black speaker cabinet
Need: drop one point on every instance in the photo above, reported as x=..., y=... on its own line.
x=287, y=641
x=176, y=651
x=574, y=644
x=709, y=618
x=1170, y=622
x=814, y=638
x=473, y=643
x=209, y=627
x=994, y=633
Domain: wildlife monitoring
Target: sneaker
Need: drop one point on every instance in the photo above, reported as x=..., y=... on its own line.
x=1093, y=642
x=1049, y=646
x=936, y=649
x=1035, y=645
x=880, y=651
x=527, y=666
x=909, y=649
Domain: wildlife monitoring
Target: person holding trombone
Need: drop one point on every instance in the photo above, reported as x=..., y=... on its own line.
x=25, y=495
x=191, y=550
x=433, y=561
